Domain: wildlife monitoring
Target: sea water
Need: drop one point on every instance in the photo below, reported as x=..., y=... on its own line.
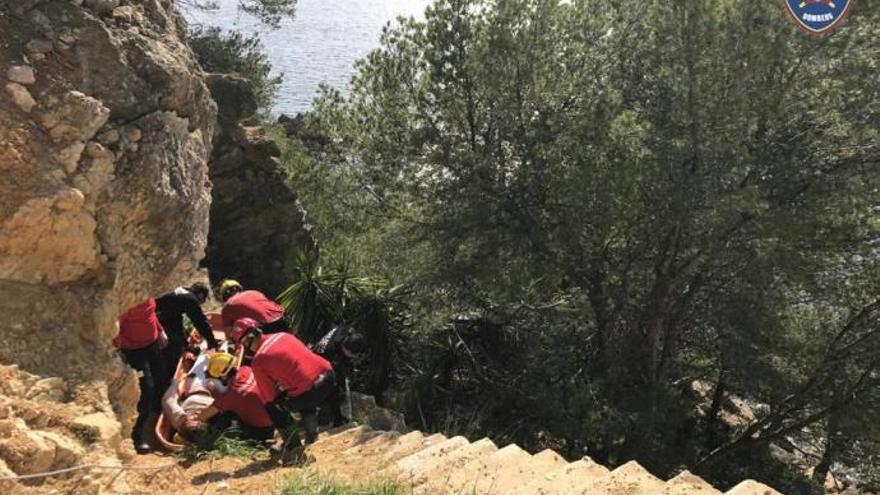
x=319, y=45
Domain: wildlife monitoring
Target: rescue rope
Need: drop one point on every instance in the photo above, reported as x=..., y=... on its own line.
x=81, y=467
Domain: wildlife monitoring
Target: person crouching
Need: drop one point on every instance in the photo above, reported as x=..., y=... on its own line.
x=343, y=347
x=291, y=379
x=238, y=406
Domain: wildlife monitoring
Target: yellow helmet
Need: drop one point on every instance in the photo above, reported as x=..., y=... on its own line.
x=229, y=287
x=220, y=364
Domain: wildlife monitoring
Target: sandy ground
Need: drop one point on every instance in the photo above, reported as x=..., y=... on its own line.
x=259, y=475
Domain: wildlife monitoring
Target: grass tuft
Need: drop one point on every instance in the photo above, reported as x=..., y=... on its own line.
x=224, y=447
x=310, y=483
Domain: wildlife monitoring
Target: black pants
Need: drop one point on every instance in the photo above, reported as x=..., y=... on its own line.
x=277, y=326
x=151, y=371
x=230, y=425
x=333, y=403
x=306, y=403
x=170, y=357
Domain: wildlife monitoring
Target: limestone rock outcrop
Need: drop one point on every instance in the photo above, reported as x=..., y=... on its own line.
x=257, y=223
x=105, y=187
x=41, y=429
x=105, y=133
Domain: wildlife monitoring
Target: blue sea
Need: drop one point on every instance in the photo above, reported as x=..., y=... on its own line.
x=320, y=44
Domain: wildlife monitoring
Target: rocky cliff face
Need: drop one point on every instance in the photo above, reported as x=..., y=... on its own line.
x=105, y=132
x=257, y=223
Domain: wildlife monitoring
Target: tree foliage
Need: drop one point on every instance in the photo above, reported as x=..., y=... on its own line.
x=597, y=203
x=230, y=52
x=270, y=12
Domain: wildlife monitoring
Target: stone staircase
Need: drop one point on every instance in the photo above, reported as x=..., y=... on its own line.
x=437, y=465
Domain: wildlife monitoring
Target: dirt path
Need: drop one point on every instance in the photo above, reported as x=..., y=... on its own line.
x=223, y=475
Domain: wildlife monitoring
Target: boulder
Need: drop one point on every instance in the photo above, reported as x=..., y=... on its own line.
x=22, y=74
x=21, y=97
x=67, y=450
x=97, y=427
x=25, y=451
x=254, y=201
x=74, y=117
x=365, y=411
x=235, y=100
x=48, y=390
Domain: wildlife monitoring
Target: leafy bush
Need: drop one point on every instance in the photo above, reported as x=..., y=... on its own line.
x=231, y=52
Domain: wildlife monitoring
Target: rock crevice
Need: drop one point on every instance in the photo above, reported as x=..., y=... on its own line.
x=258, y=227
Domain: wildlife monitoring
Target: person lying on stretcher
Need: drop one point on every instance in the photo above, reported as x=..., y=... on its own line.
x=217, y=399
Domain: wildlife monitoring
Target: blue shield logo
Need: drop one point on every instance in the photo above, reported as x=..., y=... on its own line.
x=818, y=17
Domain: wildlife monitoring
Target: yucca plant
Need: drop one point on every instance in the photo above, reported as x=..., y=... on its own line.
x=324, y=297
x=321, y=297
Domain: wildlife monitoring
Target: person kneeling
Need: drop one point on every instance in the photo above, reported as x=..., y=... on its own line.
x=238, y=407
x=291, y=379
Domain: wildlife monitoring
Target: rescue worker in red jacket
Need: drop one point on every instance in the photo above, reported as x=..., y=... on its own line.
x=291, y=378
x=141, y=340
x=239, y=303
x=237, y=399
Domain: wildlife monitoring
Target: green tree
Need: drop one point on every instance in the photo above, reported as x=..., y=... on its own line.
x=683, y=189
x=270, y=12
x=234, y=53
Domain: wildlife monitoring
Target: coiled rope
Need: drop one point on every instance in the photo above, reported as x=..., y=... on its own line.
x=128, y=467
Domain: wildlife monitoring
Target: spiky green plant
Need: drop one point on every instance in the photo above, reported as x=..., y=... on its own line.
x=324, y=296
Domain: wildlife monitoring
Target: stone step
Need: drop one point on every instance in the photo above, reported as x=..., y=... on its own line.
x=410, y=467
x=338, y=442
x=440, y=474
x=353, y=460
x=568, y=479
x=481, y=475
x=517, y=474
x=687, y=483
x=327, y=435
x=407, y=446
x=437, y=465
x=377, y=444
x=629, y=479
x=751, y=487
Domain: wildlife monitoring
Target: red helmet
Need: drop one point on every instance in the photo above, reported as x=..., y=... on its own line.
x=242, y=327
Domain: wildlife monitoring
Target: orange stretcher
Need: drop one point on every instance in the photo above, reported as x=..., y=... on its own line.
x=165, y=434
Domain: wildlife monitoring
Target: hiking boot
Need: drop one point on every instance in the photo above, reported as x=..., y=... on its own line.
x=290, y=450
x=310, y=427
x=339, y=420
x=293, y=456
